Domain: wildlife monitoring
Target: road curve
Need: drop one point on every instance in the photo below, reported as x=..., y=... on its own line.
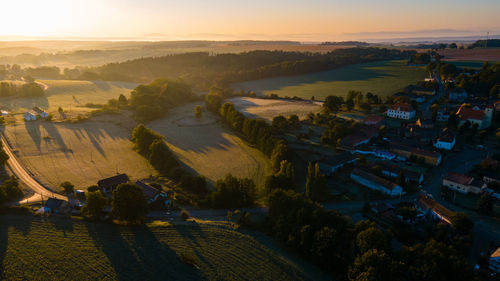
x=41, y=192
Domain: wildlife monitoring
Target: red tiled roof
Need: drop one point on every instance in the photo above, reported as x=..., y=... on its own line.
x=466, y=113
x=458, y=178
x=402, y=107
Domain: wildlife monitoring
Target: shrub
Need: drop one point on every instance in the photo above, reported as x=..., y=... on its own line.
x=184, y=215
x=129, y=203
x=68, y=187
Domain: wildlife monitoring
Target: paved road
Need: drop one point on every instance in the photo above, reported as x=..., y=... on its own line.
x=41, y=192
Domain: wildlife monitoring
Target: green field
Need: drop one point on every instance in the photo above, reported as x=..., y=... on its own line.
x=41, y=248
x=382, y=78
x=208, y=148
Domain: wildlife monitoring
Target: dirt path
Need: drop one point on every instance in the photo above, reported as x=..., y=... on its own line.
x=41, y=192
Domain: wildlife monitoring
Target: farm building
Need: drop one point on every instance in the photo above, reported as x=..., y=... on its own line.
x=55, y=206
x=332, y=164
x=457, y=95
x=475, y=115
x=434, y=209
x=150, y=193
x=401, y=111
x=40, y=112
x=445, y=141
x=495, y=261
x=30, y=115
x=108, y=184
x=462, y=183
x=430, y=157
x=376, y=183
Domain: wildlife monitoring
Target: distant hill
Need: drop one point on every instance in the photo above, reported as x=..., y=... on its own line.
x=492, y=43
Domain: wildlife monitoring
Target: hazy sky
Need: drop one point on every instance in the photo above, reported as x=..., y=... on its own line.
x=252, y=19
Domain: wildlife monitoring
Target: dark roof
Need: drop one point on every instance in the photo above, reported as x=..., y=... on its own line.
x=38, y=110
x=373, y=178
x=339, y=159
x=148, y=191
x=477, y=183
x=492, y=175
x=458, y=178
x=54, y=203
x=409, y=174
x=112, y=182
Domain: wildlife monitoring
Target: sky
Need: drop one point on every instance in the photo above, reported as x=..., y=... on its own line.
x=304, y=20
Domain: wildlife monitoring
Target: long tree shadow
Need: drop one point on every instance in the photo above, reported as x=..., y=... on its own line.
x=136, y=254
x=54, y=134
x=4, y=233
x=33, y=129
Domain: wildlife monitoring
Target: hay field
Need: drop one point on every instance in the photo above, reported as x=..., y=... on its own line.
x=70, y=95
x=81, y=153
x=37, y=248
x=208, y=148
x=477, y=54
x=269, y=108
x=382, y=78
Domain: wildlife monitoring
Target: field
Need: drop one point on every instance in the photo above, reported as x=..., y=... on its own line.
x=81, y=153
x=206, y=147
x=70, y=95
x=269, y=108
x=491, y=54
x=381, y=78
x=35, y=248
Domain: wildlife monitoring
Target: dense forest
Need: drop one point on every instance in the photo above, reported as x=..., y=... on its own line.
x=484, y=83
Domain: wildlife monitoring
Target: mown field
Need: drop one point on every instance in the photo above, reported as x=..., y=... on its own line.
x=70, y=95
x=37, y=248
x=381, y=78
x=208, y=148
x=81, y=153
x=269, y=108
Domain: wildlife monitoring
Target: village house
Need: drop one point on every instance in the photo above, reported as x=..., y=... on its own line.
x=459, y=95
x=55, y=206
x=108, y=184
x=463, y=184
x=433, y=209
x=495, y=261
x=446, y=140
x=40, y=112
x=363, y=136
x=376, y=183
x=330, y=165
x=430, y=157
x=150, y=193
x=475, y=115
x=401, y=111
x=30, y=115
x=425, y=123
x=34, y=114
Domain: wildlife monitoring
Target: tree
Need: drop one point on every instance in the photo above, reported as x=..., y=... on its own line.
x=95, y=203
x=485, y=204
x=68, y=187
x=129, y=203
x=198, y=111
x=122, y=101
x=333, y=103
x=375, y=265
x=461, y=223
x=11, y=189
x=372, y=238
x=3, y=156
x=315, y=183
x=349, y=104
x=401, y=180
x=279, y=124
x=232, y=192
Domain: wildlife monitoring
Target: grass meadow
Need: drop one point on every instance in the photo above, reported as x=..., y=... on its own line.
x=208, y=148
x=382, y=78
x=51, y=248
x=81, y=152
x=70, y=95
x=269, y=108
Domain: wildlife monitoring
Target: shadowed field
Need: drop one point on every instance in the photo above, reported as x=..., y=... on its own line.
x=208, y=148
x=381, y=78
x=81, y=153
x=269, y=108
x=34, y=248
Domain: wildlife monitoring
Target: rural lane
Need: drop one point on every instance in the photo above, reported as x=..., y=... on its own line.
x=17, y=168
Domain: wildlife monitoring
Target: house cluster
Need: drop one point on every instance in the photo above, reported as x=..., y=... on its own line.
x=107, y=185
x=481, y=115
x=463, y=183
x=35, y=114
x=409, y=151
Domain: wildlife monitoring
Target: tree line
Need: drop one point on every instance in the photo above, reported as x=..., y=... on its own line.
x=30, y=89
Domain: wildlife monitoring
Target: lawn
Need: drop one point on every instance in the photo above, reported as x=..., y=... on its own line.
x=38, y=248
x=70, y=95
x=269, y=108
x=208, y=147
x=382, y=78
x=81, y=152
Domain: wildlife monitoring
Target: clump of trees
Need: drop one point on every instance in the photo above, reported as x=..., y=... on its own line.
x=10, y=190
x=231, y=192
x=95, y=202
x=153, y=100
x=484, y=82
x=316, y=188
x=283, y=179
x=128, y=203
x=30, y=89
